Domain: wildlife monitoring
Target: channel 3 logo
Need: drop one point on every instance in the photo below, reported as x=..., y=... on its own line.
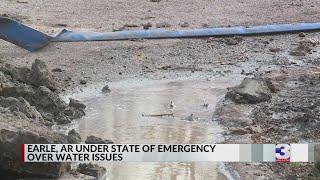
x=283, y=153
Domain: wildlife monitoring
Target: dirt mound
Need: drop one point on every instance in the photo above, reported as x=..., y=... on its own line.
x=37, y=87
x=16, y=130
x=29, y=104
x=251, y=90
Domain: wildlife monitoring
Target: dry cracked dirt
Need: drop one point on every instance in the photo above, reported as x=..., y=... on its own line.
x=277, y=102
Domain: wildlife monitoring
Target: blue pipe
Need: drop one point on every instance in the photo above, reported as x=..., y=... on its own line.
x=71, y=36
x=32, y=40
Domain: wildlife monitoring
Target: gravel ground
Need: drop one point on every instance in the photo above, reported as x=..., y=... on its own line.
x=103, y=62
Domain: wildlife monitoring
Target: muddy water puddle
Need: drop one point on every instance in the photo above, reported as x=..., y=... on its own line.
x=119, y=116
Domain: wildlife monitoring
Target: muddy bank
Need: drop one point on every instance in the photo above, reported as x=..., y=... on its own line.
x=290, y=116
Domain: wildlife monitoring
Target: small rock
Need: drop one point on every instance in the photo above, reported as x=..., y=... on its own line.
x=61, y=120
x=76, y=104
x=82, y=81
x=251, y=90
x=238, y=38
x=302, y=34
x=91, y=170
x=74, y=137
x=171, y=105
x=60, y=25
x=147, y=25
x=118, y=29
x=163, y=25
x=4, y=83
x=308, y=42
x=106, y=89
x=41, y=76
x=205, y=105
x=275, y=49
x=192, y=118
x=131, y=25
x=185, y=24
x=231, y=41
x=205, y=25
x=271, y=85
x=254, y=129
x=155, y=0
x=238, y=131
x=96, y=140
x=56, y=70
x=298, y=53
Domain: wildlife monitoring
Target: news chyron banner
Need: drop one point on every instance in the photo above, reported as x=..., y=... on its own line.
x=168, y=152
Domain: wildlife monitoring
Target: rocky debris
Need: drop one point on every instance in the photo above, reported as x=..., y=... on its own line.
x=171, y=105
x=274, y=49
x=300, y=51
x=163, y=25
x=251, y=90
x=54, y=109
x=106, y=89
x=4, y=82
x=302, y=34
x=32, y=99
x=96, y=140
x=304, y=48
x=185, y=24
x=254, y=129
x=92, y=170
x=273, y=86
x=233, y=41
x=15, y=131
x=83, y=81
x=291, y=115
x=56, y=70
x=309, y=42
x=76, y=104
x=9, y=89
x=274, y=80
x=205, y=25
x=57, y=119
x=131, y=25
x=146, y=25
x=20, y=105
x=20, y=74
x=74, y=137
x=205, y=105
x=238, y=131
x=28, y=104
x=118, y=29
x=192, y=118
x=41, y=76
x=49, y=100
